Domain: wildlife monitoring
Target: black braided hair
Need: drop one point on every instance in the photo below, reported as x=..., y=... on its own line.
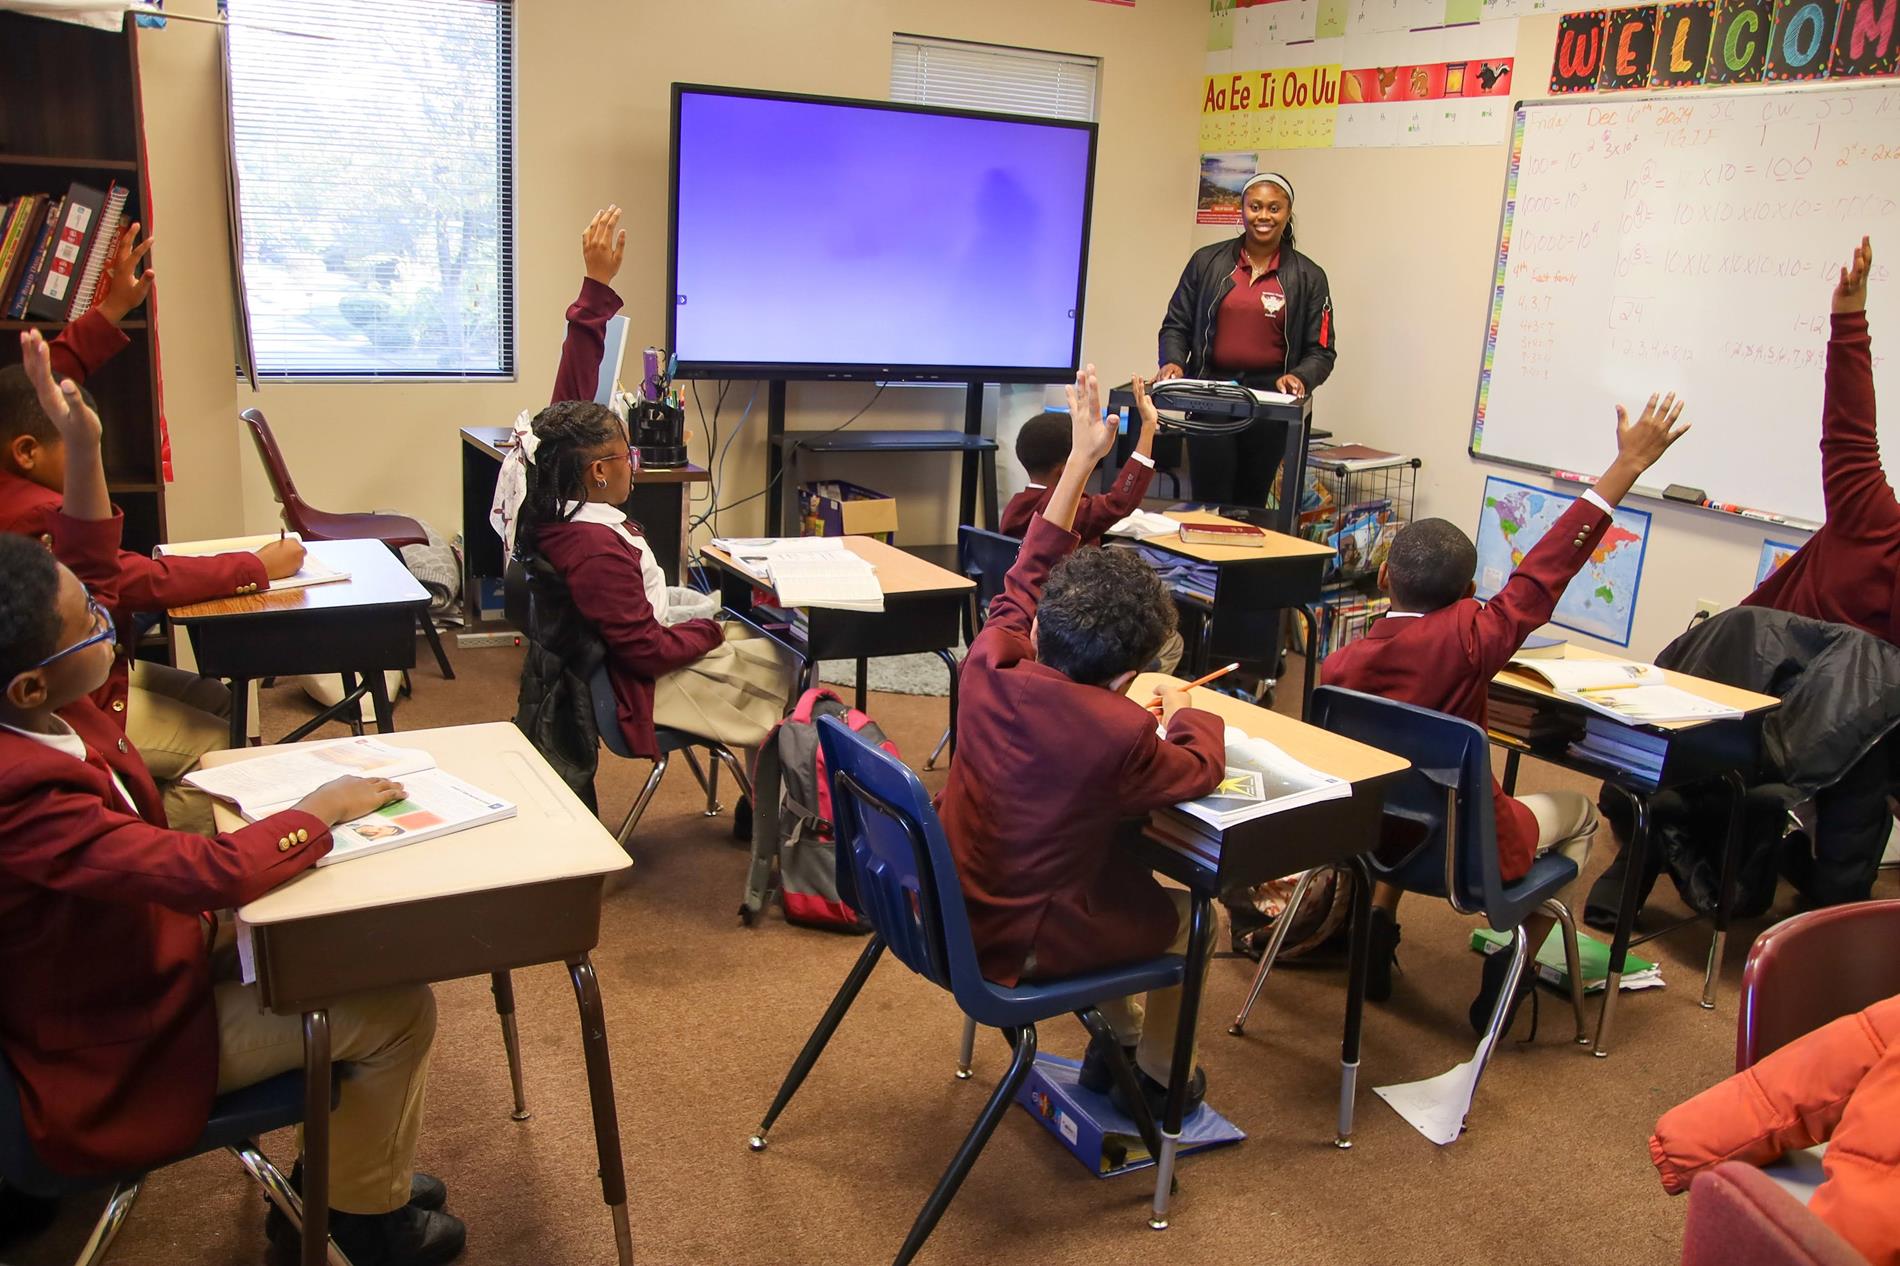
x=569, y=433
x=29, y=604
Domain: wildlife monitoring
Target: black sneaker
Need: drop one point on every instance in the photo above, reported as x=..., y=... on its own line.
x=1496, y=967
x=407, y=1237
x=426, y=1192
x=1097, y=1073
x=1606, y=894
x=1156, y=1095
x=1383, y=955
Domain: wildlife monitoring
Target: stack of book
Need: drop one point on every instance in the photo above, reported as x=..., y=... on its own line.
x=1636, y=751
x=1622, y=690
x=1262, y=778
x=55, y=253
x=1528, y=723
x=1343, y=621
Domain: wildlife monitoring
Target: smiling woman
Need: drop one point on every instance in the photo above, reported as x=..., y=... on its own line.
x=1256, y=311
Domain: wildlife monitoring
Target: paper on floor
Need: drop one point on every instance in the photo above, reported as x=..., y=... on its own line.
x=1436, y=1107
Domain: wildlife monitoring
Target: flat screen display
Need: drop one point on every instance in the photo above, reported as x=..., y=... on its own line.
x=814, y=237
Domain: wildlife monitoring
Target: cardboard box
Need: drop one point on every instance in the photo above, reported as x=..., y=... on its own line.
x=1105, y=1141
x=836, y=507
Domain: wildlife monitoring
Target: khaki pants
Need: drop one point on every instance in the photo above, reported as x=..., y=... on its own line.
x=1148, y=1024
x=174, y=717
x=1566, y=825
x=385, y=1034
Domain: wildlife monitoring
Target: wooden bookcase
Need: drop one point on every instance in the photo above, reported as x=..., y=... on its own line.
x=70, y=111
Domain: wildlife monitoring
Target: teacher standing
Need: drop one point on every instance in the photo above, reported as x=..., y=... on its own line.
x=1256, y=311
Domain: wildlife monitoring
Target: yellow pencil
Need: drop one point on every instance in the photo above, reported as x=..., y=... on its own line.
x=1155, y=706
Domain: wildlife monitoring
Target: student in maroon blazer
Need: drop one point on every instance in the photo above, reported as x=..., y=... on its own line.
x=1439, y=648
x=117, y=1032
x=1053, y=759
x=1042, y=448
x=174, y=717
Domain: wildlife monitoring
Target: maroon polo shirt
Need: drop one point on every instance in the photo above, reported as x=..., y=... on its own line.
x=1250, y=327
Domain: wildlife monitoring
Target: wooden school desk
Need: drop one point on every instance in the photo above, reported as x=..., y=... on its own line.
x=923, y=606
x=1251, y=587
x=1697, y=751
x=659, y=504
x=360, y=627
x=511, y=894
x=1267, y=848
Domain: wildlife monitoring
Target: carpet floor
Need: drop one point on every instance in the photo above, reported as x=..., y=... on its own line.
x=704, y=1016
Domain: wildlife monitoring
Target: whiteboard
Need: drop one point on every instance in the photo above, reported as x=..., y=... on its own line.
x=1690, y=242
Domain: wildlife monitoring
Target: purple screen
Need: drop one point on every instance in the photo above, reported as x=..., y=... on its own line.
x=812, y=233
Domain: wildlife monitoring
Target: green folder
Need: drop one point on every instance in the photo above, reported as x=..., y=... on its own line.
x=1592, y=955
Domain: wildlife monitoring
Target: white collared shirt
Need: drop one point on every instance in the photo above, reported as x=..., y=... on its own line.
x=1143, y=458
x=652, y=579
x=65, y=739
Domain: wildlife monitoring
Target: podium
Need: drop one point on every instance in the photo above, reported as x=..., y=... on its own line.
x=1291, y=423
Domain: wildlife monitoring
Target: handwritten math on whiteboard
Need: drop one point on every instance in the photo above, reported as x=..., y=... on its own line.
x=1689, y=243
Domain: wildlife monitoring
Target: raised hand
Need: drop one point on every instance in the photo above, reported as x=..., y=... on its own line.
x=1643, y=443
x=603, y=245
x=1850, y=292
x=1091, y=435
x=59, y=401
x=128, y=287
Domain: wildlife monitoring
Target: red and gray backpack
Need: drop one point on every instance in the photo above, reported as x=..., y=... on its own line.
x=791, y=818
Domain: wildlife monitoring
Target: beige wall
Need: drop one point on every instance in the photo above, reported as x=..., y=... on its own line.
x=1407, y=237
x=592, y=128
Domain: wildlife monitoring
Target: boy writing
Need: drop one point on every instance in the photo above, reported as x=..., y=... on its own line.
x=1043, y=449
x=1052, y=758
x=114, y=1025
x=173, y=717
x=1439, y=648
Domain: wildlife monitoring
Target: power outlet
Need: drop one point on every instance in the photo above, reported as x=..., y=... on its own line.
x=1707, y=606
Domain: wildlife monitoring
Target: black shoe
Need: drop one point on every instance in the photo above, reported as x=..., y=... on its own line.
x=426, y=1192
x=1156, y=1095
x=742, y=820
x=23, y=1216
x=407, y=1237
x=1606, y=894
x=1496, y=967
x=1097, y=1072
x=1383, y=955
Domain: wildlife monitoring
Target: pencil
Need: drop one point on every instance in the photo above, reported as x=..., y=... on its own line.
x=1198, y=681
x=1621, y=685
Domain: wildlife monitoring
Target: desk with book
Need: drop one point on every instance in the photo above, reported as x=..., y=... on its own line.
x=1643, y=730
x=351, y=611
x=1296, y=797
x=1257, y=574
x=508, y=874
x=843, y=597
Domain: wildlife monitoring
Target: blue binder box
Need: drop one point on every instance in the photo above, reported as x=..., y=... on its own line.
x=1105, y=1141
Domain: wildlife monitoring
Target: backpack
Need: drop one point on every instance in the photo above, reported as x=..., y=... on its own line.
x=1319, y=925
x=791, y=818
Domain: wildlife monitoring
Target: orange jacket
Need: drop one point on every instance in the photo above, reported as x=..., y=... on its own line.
x=1839, y=1085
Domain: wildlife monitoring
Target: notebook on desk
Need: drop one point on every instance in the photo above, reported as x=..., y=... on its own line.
x=808, y=571
x=1622, y=689
x=313, y=572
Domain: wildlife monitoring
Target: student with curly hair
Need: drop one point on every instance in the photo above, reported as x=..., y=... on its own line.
x=1052, y=758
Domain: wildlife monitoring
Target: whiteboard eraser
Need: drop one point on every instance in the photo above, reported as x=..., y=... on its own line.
x=1682, y=492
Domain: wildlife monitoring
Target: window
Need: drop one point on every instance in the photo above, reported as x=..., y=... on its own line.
x=965, y=76
x=373, y=148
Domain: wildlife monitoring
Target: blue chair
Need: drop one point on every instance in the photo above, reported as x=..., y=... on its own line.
x=1446, y=795
x=600, y=689
x=896, y=869
x=984, y=557
x=237, y=1119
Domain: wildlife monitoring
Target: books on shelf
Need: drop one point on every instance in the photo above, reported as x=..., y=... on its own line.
x=1262, y=778
x=1593, y=960
x=808, y=571
x=1637, y=751
x=55, y=253
x=1623, y=690
x=96, y=275
x=434, y=804
x=313, y=572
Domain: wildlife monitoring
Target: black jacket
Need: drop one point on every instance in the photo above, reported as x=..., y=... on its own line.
x=555, y=707
x=1187, y=332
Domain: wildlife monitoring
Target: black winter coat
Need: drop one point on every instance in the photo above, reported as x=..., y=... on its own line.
x=1187, y=332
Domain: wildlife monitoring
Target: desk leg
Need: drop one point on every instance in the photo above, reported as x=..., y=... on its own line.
x=864, y=682
x=316, y=1137
x=378, y=683
x=991, y=519
x=1512, y=758
x=502, y=985
x=240, y=713
x=1312, y=659
x=1355, y=999
x=1199, y=920
x=1638, y=848
x=1725, y=894
x=600, y=1088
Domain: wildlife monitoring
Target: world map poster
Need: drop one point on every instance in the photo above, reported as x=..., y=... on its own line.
x=1601, y=601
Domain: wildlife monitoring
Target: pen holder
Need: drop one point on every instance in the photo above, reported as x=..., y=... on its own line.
x=659, y=432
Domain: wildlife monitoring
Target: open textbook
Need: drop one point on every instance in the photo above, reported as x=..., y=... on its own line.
x=313, y=572
x=1622, y=689
x=434, y=803
x=809, y=571
x=1262, y=778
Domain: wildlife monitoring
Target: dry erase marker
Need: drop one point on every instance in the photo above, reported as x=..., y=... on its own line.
x=1571, y=476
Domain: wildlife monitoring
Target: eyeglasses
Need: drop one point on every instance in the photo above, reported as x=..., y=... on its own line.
x=102, y=631
x=631, y=457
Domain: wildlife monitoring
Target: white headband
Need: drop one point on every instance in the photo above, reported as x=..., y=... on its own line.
x=1268, y=177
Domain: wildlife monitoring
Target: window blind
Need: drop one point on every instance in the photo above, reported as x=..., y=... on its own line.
x=373, y=151
x=966, y=76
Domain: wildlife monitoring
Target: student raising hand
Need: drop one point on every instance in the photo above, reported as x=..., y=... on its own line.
x=85, y=495
x=603, y=244
x=1641, y=444
x=1850, y=293
x=128, y=287
x=1092, y=434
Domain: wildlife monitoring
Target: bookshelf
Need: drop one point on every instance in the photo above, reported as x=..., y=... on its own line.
x=70, y=111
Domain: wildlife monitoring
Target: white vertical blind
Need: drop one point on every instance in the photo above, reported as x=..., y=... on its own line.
x=373, y=143
x=965, y=76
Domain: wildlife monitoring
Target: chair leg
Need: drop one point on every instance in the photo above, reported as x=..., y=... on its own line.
x=1725, y=890
x=730, y=759
x=278, y=1190
x=640, y=801
x=937, y=751
x=707, y=776
x=435, y=644
x=1124, y=1074
x=1280, y=926
x=1572, y=964
x=502, y=985
x=966, y=1053
x=111, y=1218
x=815, y=1044
x=1494, y=1029
x=1024, y=1040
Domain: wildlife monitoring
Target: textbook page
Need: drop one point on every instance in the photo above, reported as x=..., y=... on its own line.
x=1262, y=778
x=434, y=803
x=1573, y=676
x=271, y=784
x=313, y=572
